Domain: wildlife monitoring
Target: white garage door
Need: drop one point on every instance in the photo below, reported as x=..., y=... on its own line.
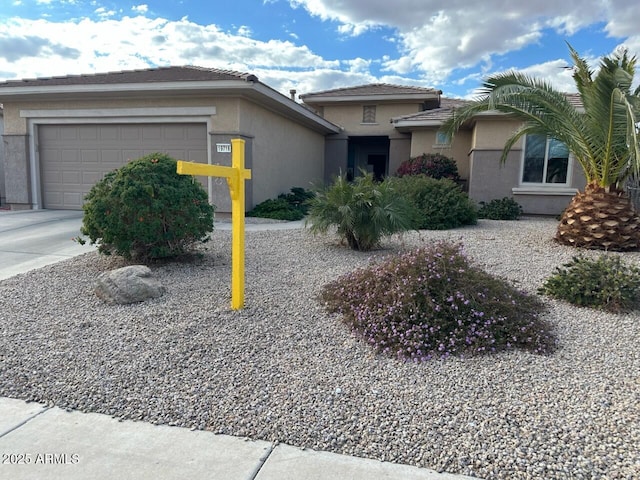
x=74, y=157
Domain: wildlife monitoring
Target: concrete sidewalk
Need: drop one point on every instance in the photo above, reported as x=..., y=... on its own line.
x=43, y=443
x=38, y=442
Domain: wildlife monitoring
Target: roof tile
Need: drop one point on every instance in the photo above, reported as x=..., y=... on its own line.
x=372, y=89
x=161, y=74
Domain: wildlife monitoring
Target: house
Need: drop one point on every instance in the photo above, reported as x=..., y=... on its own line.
x=62, y=134
x=382, y=125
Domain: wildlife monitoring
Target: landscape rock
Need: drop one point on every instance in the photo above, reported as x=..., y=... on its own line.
x=129, y=284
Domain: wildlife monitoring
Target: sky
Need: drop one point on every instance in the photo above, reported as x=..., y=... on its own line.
x=315, y=45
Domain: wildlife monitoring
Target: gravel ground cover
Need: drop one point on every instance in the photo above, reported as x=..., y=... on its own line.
x=283, y=370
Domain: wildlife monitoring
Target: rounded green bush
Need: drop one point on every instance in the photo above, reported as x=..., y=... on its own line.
x=439, y=204
x=432, y=302
x=500, y=209
x=145, y=210
x=605, y=283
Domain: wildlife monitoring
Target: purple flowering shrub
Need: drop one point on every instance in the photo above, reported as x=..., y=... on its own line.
x=432, y=302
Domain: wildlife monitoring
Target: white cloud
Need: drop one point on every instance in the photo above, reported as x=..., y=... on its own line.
x=437, y=37
x=103, y=12
x=140, y=8
x=436, y=43
x=109, y=44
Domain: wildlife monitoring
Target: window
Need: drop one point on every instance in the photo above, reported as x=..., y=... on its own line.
x=443, y=138
x=369, y=114
x=546, y=161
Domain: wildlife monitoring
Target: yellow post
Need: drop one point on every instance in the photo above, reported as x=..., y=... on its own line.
x=236, y=175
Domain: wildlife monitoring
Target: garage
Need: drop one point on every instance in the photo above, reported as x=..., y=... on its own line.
x=74, y=157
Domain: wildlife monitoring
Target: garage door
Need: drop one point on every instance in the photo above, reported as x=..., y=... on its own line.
x=74, y=157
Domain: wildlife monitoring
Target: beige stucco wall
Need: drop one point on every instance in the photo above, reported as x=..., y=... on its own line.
x=15, y=124
x=492, y=133
x=285, y=154
x=424, y=141
x=349, y=116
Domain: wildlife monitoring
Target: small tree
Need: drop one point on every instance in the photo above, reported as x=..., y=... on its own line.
x=146, y=210
x=362, y=211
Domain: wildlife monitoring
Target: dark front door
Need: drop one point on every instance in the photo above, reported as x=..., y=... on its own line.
x=379, y=166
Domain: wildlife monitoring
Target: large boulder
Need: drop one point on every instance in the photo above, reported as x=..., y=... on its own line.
x=128, y=285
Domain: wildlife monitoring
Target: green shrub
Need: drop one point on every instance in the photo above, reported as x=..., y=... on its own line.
x=299, y=198
x=276, y=208
x=605, y=283
x=145, y=210
x=438, y=204
x=500, y=209
x=362, y=211
x=432, y=302
x=432, y=165
x=288, y=206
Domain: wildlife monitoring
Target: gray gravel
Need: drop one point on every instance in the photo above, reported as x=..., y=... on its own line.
x=283, y=370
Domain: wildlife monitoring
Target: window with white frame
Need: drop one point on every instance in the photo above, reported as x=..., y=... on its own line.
x=369, y=114
x=545, y=162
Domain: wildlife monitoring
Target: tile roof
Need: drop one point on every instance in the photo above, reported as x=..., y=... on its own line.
x=161, y=74
x=439, y=114
x=372, y=89
x=447, y=105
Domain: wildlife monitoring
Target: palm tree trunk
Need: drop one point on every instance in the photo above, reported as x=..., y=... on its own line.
x=600, y=220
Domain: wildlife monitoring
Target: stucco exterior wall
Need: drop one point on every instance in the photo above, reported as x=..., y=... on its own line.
x=399, y=151
x=489, y=179
x=17, y=171
x=15, y=124
x=335, y=154
x=285, y=154
x=492, y=133
x=349, y=116
x=424, y=141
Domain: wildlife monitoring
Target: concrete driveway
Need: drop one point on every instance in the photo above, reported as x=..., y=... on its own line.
x=34, y=238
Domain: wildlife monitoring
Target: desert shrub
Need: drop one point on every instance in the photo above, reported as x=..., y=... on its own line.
x=299, y=198
x=606, y=283
x=288, y=206
x=438, y=204
x=276, y=208
x=145, y=210
x=362, y=211
x=432, y=165
x=500, y=209
x=432, y=302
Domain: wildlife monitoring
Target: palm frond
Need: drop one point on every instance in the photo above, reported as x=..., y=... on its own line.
x=603, y=136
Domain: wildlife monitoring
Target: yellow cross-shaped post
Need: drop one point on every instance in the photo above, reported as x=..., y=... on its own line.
x=236, y=175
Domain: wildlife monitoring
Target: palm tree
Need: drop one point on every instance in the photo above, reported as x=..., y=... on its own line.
x=602, y=135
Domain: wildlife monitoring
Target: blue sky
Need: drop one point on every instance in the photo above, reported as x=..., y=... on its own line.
x=314, y=45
